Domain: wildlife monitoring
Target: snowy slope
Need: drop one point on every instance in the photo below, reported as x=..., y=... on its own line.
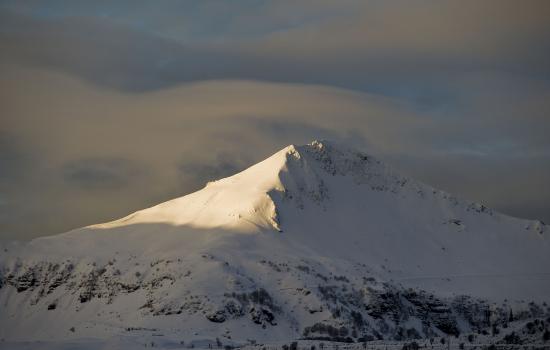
x=314, y=239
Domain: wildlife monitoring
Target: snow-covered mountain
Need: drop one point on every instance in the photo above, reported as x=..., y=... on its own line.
x=317, y=241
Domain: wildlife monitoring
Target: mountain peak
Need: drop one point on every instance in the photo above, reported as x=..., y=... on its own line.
x=320, y=184
x=249, y=200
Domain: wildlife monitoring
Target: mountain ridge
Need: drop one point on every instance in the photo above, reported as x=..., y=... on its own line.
x=312, y=239
x=283, y=167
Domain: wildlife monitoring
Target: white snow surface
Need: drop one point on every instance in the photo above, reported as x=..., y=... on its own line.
x=333, y=209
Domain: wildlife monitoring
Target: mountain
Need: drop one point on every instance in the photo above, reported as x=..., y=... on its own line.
x=316, y=242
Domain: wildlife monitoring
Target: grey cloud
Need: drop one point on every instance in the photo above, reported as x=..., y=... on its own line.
x=100, y=173
x=195, y=174
x=396, y=49
x=515, y=184
x=94, y=49
x=430, y=36
x=297, y=132
x=437, y=88
x=12, y=160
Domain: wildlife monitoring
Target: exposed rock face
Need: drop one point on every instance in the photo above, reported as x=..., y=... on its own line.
x=341, y=308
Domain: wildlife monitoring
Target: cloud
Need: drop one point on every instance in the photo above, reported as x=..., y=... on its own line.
x=396, y=48
x=108, y=109
x=99, y=173
x=515, y=184
x=97, y=50
x=196, y=173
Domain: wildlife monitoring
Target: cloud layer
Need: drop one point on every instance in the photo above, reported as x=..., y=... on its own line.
x=109, y=109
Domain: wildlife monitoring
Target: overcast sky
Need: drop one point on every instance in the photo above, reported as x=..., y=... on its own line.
x=108, y=107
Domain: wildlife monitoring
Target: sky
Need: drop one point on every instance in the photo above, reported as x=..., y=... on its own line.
x=107, y=107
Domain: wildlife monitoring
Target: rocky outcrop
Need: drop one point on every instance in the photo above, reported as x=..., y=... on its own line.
x=341, y=307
